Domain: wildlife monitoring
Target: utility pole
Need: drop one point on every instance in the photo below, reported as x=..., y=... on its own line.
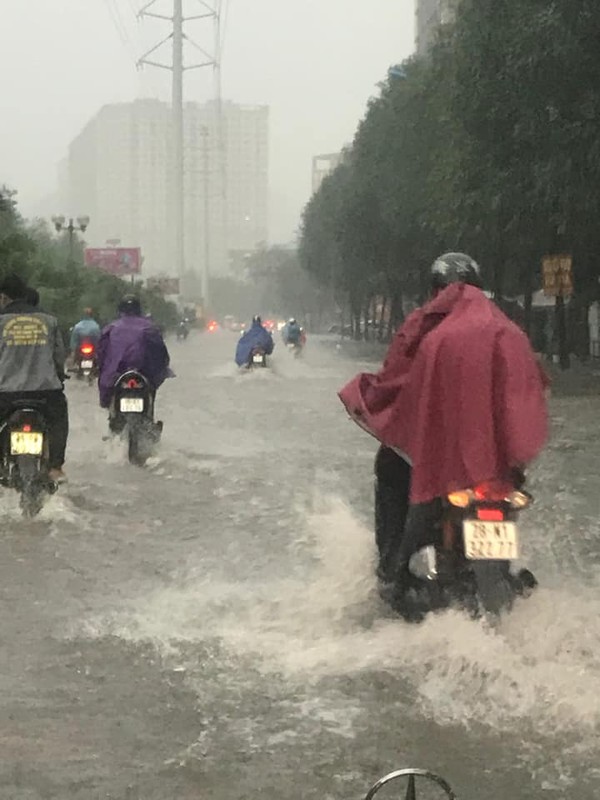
x=207, y=9
x=177, y=109
x=206, y=262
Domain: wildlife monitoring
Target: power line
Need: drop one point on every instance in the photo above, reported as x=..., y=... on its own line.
x=119, y=17
x=124, y=27
x=115, y=21
x=120, y=28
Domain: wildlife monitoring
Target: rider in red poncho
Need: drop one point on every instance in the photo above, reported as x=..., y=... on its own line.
x=459, y=400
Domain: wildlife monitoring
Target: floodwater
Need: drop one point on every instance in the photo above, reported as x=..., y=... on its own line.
x=207, y=627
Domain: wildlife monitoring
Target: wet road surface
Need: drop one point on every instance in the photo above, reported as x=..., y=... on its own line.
x=207, y=627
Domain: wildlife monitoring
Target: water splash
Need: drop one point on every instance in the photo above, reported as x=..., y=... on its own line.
x=324, y=621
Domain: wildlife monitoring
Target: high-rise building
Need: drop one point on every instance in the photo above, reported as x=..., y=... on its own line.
x=429, y=15
x=119, y=172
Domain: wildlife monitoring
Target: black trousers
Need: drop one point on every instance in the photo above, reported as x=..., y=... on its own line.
x=400, y=528
x=392, y=490
x=56, y=412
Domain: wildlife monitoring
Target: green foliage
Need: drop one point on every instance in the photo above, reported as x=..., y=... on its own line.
x=489, y=144
x=65, y=286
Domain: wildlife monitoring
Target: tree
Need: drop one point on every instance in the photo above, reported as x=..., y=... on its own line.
x=489, y=145
x=65, y=289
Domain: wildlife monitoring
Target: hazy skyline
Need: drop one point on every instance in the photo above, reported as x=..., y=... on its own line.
x=315, y=63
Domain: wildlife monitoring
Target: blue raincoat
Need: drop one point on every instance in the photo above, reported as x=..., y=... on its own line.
x=257, y=336
x=86, y=330
x=292, y=333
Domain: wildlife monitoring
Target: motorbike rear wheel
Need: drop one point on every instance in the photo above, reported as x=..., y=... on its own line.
x=142, y=435
x=495, y=589
x=31, y=486
x=136, y=451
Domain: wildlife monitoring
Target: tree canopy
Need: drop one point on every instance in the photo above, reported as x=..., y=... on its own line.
x=489, y=144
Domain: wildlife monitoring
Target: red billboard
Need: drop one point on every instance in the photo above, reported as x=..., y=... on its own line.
x=116, y=260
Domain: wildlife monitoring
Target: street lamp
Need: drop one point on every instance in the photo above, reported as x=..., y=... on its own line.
x=60, y=225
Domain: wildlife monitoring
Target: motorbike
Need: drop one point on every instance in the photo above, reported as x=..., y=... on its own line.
x=182, y=333
x=85, y=367
x=24, y=455
x=466, y=559
x=132, y=416
x=258, y=358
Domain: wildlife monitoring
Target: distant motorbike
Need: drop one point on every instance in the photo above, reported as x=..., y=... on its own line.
x=466, y=559
x=24, y=455
x=258, y=358
x=182, y=332
x=84, y=362
x=132, y=416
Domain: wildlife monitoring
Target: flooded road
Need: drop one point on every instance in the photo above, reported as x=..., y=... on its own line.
x=207, y=627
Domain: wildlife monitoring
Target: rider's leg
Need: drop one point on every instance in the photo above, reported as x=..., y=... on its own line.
x=392, y=488
x=58, y=428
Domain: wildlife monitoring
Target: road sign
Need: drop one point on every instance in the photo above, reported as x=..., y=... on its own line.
x=558, y=275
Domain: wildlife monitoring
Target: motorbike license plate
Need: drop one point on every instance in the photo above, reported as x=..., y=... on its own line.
x=132, y=405
x=26, y=444
x=87, y=364
x=258, y=359
x=494, y=541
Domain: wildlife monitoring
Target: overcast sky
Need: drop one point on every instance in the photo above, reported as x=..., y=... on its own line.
x=314, y=62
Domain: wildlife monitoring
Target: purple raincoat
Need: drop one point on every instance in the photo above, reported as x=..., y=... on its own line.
x=131, y=343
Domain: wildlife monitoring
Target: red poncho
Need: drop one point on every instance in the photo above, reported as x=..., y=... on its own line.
x=460, y=392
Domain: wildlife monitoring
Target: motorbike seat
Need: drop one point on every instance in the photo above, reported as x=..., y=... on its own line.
x=27, y=405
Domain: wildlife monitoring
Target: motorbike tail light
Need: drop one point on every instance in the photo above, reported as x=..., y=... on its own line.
x=87, y=349
x=492, y=490
x=26, y=428
x=132, y=383
x=519, y=499
x=490, y=514
x=462, y=499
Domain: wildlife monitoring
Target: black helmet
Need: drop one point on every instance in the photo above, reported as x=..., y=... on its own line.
x=13, y=287
x=455, y=268
x=256, y=319
x=130, y=304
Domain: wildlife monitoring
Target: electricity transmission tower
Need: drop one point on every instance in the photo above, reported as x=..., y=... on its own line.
x=203, y=10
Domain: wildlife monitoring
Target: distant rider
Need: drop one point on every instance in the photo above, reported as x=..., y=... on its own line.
x=86, y=330
x=459, y=400
x=183, y=329
x=32, y=361
x=257, y=337
x=292, y=333
x=131, y=342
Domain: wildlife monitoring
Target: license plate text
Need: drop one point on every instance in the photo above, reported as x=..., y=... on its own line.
x=496, y=541
x=26, y=444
